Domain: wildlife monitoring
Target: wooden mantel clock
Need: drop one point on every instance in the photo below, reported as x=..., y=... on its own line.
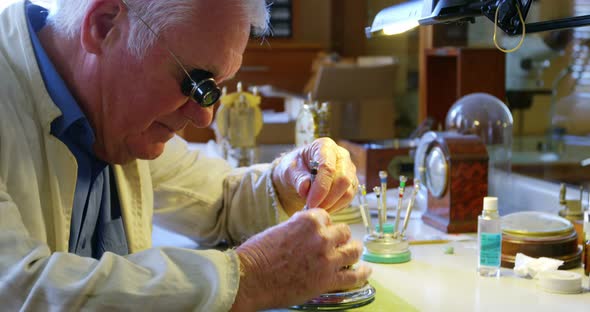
x=454, y=169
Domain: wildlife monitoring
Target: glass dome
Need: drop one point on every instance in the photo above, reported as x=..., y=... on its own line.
x=481, y=114
x=489, y=118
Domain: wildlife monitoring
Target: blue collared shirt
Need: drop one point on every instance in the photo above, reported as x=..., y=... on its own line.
x=96, y=225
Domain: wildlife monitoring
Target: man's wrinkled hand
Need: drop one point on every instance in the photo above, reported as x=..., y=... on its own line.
x=296, y=261
x=335, y=183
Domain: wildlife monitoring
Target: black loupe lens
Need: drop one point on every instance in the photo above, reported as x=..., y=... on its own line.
x=201, y=87
x=207, y=93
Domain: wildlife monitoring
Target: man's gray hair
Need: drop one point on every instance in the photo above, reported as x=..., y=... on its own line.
x=66, y=16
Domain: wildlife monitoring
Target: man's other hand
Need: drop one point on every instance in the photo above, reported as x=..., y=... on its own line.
x=296, y=261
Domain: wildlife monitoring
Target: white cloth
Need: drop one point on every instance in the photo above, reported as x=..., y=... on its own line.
x=198, y=196
x=525, y=266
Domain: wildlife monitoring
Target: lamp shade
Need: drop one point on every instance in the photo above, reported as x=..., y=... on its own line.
x=396, y=19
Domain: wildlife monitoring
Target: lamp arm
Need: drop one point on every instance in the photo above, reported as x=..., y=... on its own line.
x=563, y=23
x=509, y=20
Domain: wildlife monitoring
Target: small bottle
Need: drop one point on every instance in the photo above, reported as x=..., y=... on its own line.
x=489, y=239
x=586, y=244
x=323, y=124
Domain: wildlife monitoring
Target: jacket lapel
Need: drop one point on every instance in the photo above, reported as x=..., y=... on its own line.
x=63, y=173
x=136, y=206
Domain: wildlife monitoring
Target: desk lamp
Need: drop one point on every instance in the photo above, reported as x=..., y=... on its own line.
x=508, y=15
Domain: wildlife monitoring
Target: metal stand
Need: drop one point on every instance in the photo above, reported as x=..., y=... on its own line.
x=386, y=249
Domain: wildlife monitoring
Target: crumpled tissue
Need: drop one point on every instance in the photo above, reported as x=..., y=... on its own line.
x=528, y=266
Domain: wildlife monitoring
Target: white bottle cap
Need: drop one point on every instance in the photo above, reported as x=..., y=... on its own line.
x=560, y=282
x=490, y=203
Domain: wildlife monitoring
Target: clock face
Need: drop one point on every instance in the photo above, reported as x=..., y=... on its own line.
x=436, y=171
x=420, y=157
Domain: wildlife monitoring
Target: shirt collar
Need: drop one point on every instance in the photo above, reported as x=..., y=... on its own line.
x=56, y=87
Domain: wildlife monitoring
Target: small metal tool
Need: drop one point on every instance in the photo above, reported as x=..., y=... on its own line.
x=410, y=207
x=562, y=191
x=313, y=165
x=377, y=191
x=402, y=187
x=313, y=170
x=383, y=180
x=364, y=208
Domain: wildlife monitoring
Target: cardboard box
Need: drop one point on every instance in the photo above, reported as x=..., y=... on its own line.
x=277, y=133
x=352, y=82
x=361, y=97
x=367, y=120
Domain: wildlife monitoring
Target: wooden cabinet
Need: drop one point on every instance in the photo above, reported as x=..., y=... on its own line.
x=450, y=73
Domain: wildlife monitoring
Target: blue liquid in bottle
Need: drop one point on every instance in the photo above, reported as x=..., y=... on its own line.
x=489, y=239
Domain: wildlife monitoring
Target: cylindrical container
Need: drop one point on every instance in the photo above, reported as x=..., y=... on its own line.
x=586, y=255
x=306, y=126
x=489, y=239
x=323, y=123
x=586, y=244
x=538, y=234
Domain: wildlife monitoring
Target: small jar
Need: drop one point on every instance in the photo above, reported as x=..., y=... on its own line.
x=586, y=244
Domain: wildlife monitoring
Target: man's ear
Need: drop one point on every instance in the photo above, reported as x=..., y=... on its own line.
x=99, y=25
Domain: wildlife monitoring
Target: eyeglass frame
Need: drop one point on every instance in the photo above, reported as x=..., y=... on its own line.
x=199, y=92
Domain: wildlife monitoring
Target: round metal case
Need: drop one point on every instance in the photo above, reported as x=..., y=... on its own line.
x=538, y=234
x=338, y=301
x=437, y=171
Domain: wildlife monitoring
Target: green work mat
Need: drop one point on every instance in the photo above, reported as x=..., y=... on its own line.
x=385, y=301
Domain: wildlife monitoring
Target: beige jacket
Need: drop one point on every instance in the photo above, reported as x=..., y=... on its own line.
x=200, y=197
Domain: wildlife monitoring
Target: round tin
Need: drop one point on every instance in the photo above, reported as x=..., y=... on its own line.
x=538, y=234
x=560, y=282
x=535, y=224
x=386, y=249
x=340, y=300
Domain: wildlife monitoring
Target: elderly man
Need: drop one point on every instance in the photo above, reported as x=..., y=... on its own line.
x=91, y=97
